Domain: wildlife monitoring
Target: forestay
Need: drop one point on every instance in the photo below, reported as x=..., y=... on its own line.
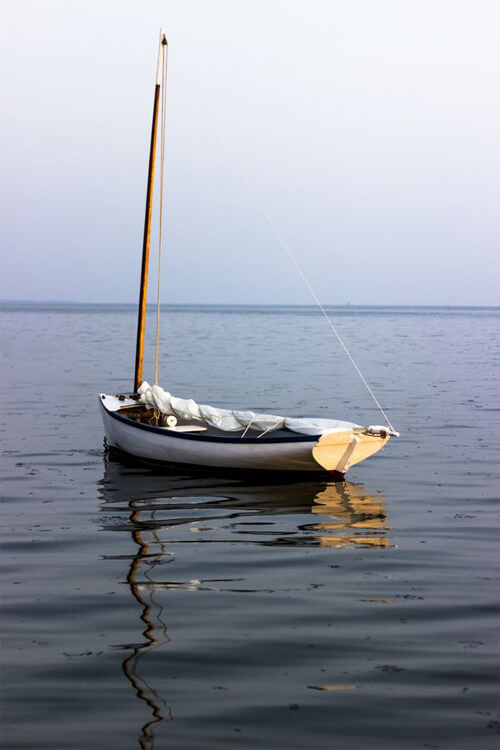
x=230, y=420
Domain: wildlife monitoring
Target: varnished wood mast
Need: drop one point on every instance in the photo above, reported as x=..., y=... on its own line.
x=143, y=294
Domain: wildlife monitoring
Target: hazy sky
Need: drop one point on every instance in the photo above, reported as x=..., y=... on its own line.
x=369, y=129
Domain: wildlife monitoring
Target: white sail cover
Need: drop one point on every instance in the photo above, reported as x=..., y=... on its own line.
x=230, y=420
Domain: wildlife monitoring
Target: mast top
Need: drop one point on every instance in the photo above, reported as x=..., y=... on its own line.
x=161, y=51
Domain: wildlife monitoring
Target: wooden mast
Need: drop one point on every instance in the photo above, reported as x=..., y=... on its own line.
x=143, y=294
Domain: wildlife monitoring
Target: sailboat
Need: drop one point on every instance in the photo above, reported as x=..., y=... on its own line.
x=153, y=426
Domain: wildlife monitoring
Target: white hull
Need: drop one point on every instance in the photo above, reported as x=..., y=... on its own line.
x=333, y=452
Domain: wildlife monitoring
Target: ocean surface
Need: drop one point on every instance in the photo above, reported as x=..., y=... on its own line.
x=149, y=610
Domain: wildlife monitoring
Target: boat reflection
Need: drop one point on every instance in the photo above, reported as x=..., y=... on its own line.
x=360, y=519
x=163, y=512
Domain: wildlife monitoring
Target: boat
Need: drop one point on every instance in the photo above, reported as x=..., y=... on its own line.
x=153, y=426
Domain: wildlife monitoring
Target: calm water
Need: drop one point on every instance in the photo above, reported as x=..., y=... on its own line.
x=143, y=610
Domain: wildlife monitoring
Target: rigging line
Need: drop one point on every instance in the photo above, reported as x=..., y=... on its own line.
x=162, y=172
x=316, y=299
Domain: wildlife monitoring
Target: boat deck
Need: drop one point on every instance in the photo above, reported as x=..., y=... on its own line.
x=143, y=415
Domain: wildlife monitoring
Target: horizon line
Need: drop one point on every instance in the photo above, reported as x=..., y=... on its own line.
x=240, y=304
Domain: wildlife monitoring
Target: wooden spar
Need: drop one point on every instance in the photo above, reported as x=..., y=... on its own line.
x=143, y=293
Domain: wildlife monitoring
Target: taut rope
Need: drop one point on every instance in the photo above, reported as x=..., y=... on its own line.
x=316, y=299
x=273, y=228
x=162, y=171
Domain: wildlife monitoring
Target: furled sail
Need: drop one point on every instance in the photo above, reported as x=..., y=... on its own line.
x=230, y=420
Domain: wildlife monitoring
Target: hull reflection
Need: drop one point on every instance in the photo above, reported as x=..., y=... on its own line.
x=165, y=512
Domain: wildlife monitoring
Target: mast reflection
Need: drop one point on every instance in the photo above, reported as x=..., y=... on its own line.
x=156, y=635
x=161, y=508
